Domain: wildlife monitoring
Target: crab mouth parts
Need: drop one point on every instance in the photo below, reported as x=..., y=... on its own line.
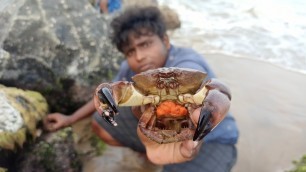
x=171, y=123
x=168, y=129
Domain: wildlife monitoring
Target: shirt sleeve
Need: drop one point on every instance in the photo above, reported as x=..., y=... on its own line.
x=196, y=66
x=188, y=58
x=122, y=73
x=191, y=65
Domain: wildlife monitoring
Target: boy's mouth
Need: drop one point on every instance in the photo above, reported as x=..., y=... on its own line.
x=146, y=67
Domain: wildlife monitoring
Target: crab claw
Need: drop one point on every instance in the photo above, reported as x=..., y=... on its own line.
x=108, y=113
x=214, y=108
x=204, y=125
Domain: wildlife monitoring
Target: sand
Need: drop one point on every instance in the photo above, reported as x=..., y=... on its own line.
x=269, y=107
x=269, y=104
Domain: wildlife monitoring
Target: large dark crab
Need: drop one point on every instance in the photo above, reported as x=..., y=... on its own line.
x=170, y=96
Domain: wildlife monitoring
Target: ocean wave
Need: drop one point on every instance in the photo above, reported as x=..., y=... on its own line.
x=272, y=31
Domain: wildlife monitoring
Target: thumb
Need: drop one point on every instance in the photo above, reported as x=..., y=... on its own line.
x=190, y=148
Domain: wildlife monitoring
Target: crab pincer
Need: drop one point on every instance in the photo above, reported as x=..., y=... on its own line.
x=215, y=105
x=204, y=125
x=108, y=113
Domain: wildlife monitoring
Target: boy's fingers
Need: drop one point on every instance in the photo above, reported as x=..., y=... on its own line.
x=195, y=116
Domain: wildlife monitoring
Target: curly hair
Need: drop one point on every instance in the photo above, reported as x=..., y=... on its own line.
x=136, y=20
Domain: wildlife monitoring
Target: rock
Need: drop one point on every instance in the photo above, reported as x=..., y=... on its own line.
x=171, y=17
x=20, y=111
x=51, y=152
x=23, y=145
x=59, y=48
x=3, y=169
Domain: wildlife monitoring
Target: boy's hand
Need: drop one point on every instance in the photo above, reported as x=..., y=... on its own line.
x=55, y=121
x=176, y=152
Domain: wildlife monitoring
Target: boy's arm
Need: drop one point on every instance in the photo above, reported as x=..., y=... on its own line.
x=57, y=121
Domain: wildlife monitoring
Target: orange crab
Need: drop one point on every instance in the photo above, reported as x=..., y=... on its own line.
x=170, y=96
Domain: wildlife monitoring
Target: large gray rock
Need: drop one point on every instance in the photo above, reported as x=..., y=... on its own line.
x=59, y=48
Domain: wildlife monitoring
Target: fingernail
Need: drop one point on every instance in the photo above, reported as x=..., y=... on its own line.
x=195, y=144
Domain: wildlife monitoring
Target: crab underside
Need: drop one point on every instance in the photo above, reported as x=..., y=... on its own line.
x=167, y=128
x=169, y=96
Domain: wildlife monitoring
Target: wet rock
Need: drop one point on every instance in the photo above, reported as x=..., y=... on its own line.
x=59, y=48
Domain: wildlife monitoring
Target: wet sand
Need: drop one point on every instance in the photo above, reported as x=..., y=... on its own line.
x=269, y=106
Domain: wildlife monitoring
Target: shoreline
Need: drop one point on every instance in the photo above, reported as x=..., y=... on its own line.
x=254, y=59
x=268, y=105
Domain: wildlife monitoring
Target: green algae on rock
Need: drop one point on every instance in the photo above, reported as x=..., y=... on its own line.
x=3, y=169
x=19, y=113
x=51, y=152
x=300, y=165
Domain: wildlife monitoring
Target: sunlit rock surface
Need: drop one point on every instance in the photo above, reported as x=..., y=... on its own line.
x=59, y=48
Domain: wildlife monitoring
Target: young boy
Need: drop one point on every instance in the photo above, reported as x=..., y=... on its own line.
x=140, y=34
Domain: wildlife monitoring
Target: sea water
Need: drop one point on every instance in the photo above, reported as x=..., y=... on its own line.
x=269, y=30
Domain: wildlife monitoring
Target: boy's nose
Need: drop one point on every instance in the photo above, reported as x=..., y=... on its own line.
x=140, y=55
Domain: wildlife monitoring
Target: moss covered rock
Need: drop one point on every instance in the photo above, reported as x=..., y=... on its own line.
x=50, y=152
x=300, y=165
x=20, y=111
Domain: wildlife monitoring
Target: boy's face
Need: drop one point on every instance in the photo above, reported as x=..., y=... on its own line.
x=147, y=51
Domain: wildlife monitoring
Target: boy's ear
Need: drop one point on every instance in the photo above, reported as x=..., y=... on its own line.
x=166, y=41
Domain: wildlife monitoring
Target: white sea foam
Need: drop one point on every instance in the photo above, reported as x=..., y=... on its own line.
x=269, y=30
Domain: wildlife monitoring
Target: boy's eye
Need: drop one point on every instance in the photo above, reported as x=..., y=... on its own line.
x=130, y=53
x=146, y=44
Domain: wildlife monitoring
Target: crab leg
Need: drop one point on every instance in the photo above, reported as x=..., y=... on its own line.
x=214, y=108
